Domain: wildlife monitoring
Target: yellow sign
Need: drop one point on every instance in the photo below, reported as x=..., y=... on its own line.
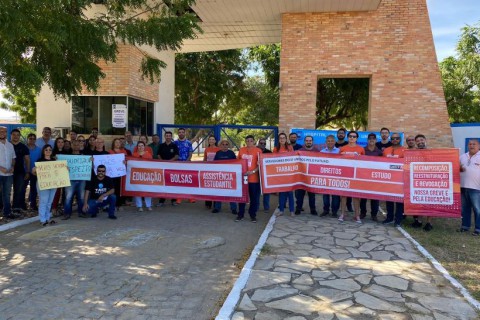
x=52, y=174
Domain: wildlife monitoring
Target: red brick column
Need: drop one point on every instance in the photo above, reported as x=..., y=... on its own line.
x=393, y=46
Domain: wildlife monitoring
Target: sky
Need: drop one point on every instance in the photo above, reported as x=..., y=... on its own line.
x=447, y=18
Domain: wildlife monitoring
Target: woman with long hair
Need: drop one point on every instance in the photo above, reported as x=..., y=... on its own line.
x=117, y=148
x=209, y=155
x=45, y=196
x=281, y=147
x=144, y=154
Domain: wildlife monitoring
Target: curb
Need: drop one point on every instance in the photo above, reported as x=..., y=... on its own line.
x=18, y=223
x=233, y=297
x=475, y=303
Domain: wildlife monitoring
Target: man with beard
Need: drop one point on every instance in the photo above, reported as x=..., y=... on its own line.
x=470, y=186
x=385, y=143
x=22, y=162
x=167, y=151
x=331, y=148
x=300, y=193
x=293, y=141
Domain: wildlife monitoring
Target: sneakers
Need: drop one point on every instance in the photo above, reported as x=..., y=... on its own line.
x=428, y=227
x=298, y=211
x=293, y=214
x=254, y=220
x=387, y=221
x=358, y=220
x=416, y=224
x=149, y=209
x=238, y=219
x=140, y=209
x=334, y=214
x=476, y=233
x=279, y=213
x=397, y=225
x=314, y=213
x=276, y=212
x=112, y=217
x=235, y=212
x=341, y=218
x=215, y=211
x=324, y=213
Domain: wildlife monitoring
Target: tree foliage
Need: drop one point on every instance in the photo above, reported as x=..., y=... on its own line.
x=342, y=102
x=268, y=58
x=60, y=42
x=22, y=101
x=461, y=77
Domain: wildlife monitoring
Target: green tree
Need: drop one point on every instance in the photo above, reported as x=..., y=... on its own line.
x=59, y=42
x=22, y=101
x=204, y=81
x=268, y=58
x=461, y=77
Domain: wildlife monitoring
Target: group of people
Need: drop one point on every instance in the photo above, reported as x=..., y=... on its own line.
x=17, y=169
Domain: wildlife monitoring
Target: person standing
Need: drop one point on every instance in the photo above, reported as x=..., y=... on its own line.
x=99, y=193
x=250, y=153
x=470, y=186
x=332, y=149
x=410, y=141
x=262, y=144
x=224, y=153
x=143, y=154
x=117, y=148
x=46, y=196
x=77, y=189
x=35, y=153
x=73, y=135
x=129, y=143
x=154, y=145
x=46, y=138
x=185, y=152
x=300, y=193
x=7, y=165
x=168, y=151
x=341, y=134
x=293, y=137
x=21, y=171
x=209, y=155
x=385, y=142
x=371, y=150
x=394, y=209
x=282, y=147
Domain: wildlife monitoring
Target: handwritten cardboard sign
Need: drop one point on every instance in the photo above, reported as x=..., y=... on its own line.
x=80, y=167
x=115, y=164
x=52, y=174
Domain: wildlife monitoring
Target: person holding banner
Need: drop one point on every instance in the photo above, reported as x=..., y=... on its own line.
x=300, y=193
x=293, y=141
x=470, y=186
x=341, y=134
x=351, y=149
x=371, y=150
x=45, y=196
x=117, y=148
x=252, y=154
x=168, y=151
x=143, y=154
x=100, y=146
x=262, y=144
x=35, y=153
x=77, y=189
x=185, y=152
x=224, y=154
x=384, y=143
x=143, y=138
x=209, y=155
x=330, y=148
x=99, y=193
x=282, y=147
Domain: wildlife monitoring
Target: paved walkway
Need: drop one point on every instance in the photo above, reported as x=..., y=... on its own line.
x=172, y=263
x=319, y=269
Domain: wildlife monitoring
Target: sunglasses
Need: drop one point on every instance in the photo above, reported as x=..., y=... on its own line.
x=352, y=136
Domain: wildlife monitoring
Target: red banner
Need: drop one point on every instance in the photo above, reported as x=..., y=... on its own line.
x=216, y=180
x=361, y=177
x=432, y=183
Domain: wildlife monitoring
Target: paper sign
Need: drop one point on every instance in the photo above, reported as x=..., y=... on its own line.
x=52, y=174
x=119, y=115
x=115, y=164
x=79, y=167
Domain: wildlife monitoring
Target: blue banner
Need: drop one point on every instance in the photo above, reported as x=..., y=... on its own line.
x=79, y=167
x=320, y=136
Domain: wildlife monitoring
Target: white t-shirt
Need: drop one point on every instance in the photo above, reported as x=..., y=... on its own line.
x=470, y=178
x=7, y=154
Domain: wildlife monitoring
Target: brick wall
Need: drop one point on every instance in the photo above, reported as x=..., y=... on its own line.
x=124, y=78
x=393, y=46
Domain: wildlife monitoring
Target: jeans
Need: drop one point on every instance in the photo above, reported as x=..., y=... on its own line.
x=254, y=194
x=300, y=195
x=45, y=204
x=6, y=185
x=282, y=201
x=77, y=188
x=266, y=201
x=18, y=191
x=93, y=205
x=32, y=196
x=218, y=205
x=397, y=208
x=470, y=200
x=139, y=204
x=374, y=205
x=335, y=203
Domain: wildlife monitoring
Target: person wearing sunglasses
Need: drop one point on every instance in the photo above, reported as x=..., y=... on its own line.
x=100, y=192
x=351, y=149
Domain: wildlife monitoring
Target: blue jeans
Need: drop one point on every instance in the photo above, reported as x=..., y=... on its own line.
x=300, y=195
x=470, y=200
x=394, y=211
x=93, y=205
x=18, y=191
x=282, y=201
x=77, y=189
x=218, y=205
x=6, y=185
x=335, y=203
x=374, y=205
x=266, y=201
x=32, y=196
x=254, y=194
x=45, y=204
x=139, y=203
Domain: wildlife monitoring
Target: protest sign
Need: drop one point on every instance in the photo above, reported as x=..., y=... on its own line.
x=115, y=164
x=119, y=115
x=52, y=174
x=79, y=167
x=216, y=181
x=432, y=182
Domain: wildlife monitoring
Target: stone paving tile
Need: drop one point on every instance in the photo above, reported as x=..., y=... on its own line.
x=367, y=271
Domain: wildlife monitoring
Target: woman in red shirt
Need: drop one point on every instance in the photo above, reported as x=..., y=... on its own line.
x=144, y=154
x=209, y=155
x=353, y=150
x=117, y=148
x=282, y=147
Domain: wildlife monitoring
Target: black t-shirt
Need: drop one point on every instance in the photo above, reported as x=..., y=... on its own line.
x=382, y=146
x=297, y=147
x=266, y=151
x=99, y=187
x=21, y=151
x=341, y=144
x=167, y=151
x=225, y=155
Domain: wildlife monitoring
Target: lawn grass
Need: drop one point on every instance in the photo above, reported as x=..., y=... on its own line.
x=459, y=253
